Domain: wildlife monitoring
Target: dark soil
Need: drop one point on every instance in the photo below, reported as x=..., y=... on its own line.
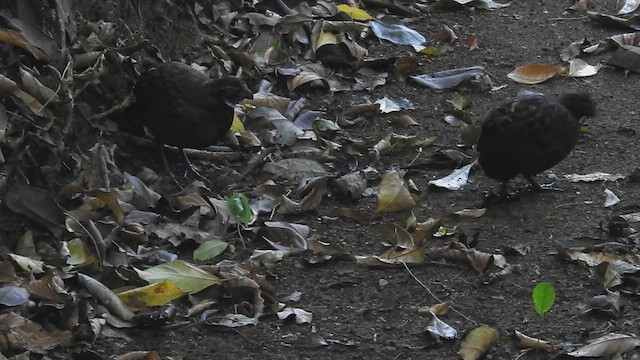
x=368, y=313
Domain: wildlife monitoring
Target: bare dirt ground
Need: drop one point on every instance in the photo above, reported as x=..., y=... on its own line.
x=366, y=313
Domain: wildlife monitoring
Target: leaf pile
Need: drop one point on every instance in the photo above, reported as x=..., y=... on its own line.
x=102, y=241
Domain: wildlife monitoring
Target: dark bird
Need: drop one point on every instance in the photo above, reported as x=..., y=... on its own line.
x=528, y=134
x=182, y=107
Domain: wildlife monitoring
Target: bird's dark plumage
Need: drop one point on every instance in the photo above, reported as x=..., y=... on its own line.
x=182, y=107
x=528, y=134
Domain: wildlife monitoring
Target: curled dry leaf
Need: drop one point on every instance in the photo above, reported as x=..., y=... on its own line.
x=478, y=342
x=535, y=73
x=17, y=39
x=447, y=35
x=38, y=90
x=532, y=343
x=628, y=6
x=614, y=21
x=437, y=309
x=106, y=297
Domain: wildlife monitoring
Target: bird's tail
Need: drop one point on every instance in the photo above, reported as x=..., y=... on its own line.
x=579, y=104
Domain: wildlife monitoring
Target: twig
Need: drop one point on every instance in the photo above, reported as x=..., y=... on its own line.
x=415, y=158
x=118, y=107
x=434, y=295
x=567, y=18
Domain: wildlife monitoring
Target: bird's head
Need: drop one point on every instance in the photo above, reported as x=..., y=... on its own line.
x=579, y=104
x=231, y=89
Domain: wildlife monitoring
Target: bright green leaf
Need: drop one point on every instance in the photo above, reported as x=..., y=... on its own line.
x=240, y=208
x=544, y=295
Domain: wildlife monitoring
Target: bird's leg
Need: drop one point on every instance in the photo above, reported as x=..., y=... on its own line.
x=504, y=190
x=192, y=167
x=503, y=196
x=538, y=187
x=165, y=163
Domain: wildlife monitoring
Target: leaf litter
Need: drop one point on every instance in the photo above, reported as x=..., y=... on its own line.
x=121, y=236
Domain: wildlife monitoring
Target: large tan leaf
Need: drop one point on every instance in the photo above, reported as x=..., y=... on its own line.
x=607, y=346
x=188, y=277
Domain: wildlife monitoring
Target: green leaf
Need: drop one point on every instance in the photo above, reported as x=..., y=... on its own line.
x=544, y=295
x=322, y=124
x=240, y=208
x=78, y=254
x=209, y=250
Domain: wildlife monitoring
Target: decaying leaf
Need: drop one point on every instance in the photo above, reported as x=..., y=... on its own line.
x=393, y=195
x=157, y=294
x=24, y=334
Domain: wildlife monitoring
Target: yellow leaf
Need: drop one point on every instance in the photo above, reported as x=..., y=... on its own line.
x=157, y=294
x=237, y=124
x=355, y=13
x=326, y=38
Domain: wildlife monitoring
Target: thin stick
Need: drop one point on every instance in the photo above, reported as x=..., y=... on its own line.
x=567, y=18
x=433, y=295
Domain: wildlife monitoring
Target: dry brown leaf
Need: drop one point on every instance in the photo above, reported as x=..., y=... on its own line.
x=532, y=343
x=471, y=42
x=15, y=38
x=535, y=73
